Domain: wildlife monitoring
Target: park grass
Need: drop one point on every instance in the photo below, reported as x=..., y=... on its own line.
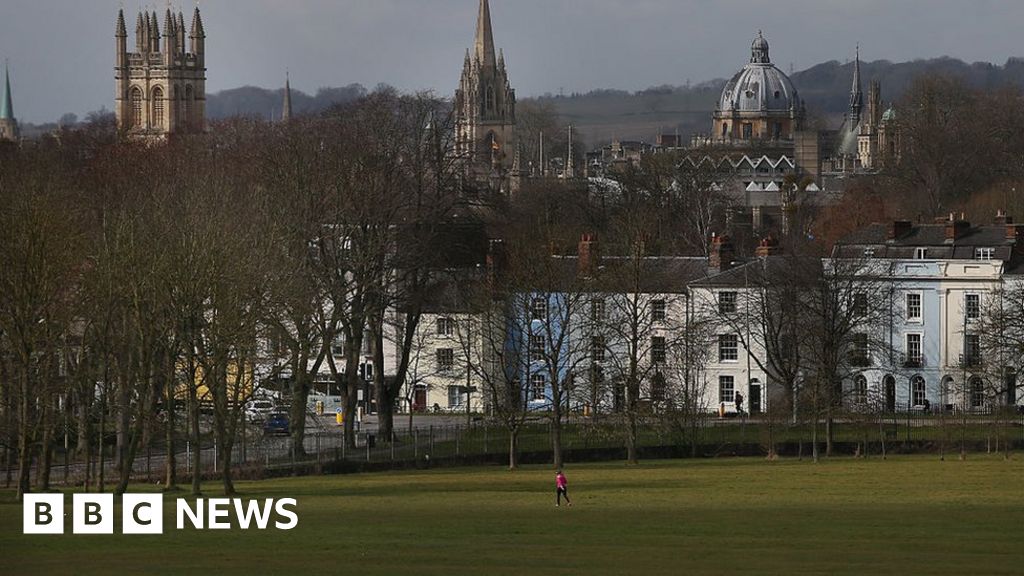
x=905, y=515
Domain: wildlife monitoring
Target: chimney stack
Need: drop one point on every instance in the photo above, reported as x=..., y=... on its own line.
x=1002, y=218
x=956, y=228
x=588, y=256
x=899, y=229
x=722, y=253
x=768, y=247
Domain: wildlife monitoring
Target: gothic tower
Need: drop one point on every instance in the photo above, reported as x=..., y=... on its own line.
x=485, y=112
x=160, y=92
x=8, y=125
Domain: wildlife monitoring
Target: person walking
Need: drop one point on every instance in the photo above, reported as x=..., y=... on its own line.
x=561, y=489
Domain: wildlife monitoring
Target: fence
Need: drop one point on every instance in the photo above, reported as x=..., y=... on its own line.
x=255, y=454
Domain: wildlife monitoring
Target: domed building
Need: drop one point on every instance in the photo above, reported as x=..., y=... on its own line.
x=759, y=103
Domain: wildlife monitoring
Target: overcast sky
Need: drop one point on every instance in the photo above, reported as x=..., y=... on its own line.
x=61, y=52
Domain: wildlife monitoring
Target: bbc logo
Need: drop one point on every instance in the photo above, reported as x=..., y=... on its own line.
x=93, y=514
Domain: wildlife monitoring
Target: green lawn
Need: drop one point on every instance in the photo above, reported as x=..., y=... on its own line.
x=907, y=515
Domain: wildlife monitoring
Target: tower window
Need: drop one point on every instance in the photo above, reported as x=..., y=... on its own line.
x=158, y=108
x=136, y=102
x=490, y=99
x=189, y=95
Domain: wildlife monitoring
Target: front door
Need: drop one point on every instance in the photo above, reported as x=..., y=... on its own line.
x=419, y=398
x=890, y=394
x=755, y=398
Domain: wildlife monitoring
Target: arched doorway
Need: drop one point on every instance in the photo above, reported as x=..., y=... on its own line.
x=889, y=391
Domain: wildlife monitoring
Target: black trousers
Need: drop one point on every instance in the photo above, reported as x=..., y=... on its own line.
x=559, y=492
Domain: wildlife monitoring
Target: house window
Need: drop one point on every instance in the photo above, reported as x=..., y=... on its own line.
x=860, y=350
x=977, y=393
x=597, y=348
x=728, y=348
x=984, y=253
x=726, y=389
x=454, y=396
x=658, y=387
x=920, y=254
x=917, y=391
x=914, y=307
x=597, y=310
x=596, y=375
x=860, y=390
x=726, y=302
x=539, y=309
x=869, y=252
x=536, y=346
x=658, y=310
x=658, y=349
x=972, y=306
x=913, y=350
x=338, y=346
x=748, y=130
x=860, y=305
x=537, y=387
x=445, y=326
x=972, y=350
x=445, y=359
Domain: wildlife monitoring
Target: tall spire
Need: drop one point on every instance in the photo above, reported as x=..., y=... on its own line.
x=141, y=39
x=197, y=25
x=484, y=36
x=6, y=103
x=120, y=32
x=856, y=96
x=286, y=111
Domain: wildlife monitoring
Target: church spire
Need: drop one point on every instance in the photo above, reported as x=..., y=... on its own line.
x=6, y=103
x=484, y=36
x=856, y=96
x=286, y=110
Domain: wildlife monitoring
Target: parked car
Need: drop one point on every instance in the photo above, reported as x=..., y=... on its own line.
x=258, y=409
x=276, y=423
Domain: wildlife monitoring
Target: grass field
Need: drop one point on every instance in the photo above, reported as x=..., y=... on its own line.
x=907, y=515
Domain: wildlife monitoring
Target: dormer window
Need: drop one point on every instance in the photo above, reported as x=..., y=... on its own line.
x=985, y=254
x=920, y=254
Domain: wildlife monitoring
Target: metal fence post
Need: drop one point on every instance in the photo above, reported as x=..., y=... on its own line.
x=431, y=439
x=416, y=443
x=392, y=444
x=214, y=454
x=188, y=457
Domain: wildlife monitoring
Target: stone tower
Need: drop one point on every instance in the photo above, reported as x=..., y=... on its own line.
x=485, y=113
x=8, y=124
x=161, y=86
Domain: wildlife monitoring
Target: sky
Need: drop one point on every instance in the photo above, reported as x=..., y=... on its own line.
x=61, y=52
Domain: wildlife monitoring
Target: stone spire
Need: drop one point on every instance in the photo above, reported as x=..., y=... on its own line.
x=6, y=103
x=570, y=169
x=8, y=125
x=140, y=35
x=180, y=28
x=120, y=32
x=856, y=96
x=286, y=110
x=484, y=36
x=154, y=31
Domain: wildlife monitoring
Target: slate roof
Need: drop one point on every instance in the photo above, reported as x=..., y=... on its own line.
x=875, y=238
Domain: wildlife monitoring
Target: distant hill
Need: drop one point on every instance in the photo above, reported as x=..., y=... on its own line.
x=263, y=103
x=603, y=115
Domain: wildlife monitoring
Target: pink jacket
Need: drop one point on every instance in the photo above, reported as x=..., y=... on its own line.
x=560, y=481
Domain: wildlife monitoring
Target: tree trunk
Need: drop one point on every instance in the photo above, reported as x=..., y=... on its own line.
x=197, y=449
x=24, y=439
x=513, y=448
x=46, y=448
x=171, y=462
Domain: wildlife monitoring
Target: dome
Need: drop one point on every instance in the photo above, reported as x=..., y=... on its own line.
x=759, y=86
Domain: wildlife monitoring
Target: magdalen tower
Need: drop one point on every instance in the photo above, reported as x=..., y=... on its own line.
x=161, y=86
x=485, y=113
